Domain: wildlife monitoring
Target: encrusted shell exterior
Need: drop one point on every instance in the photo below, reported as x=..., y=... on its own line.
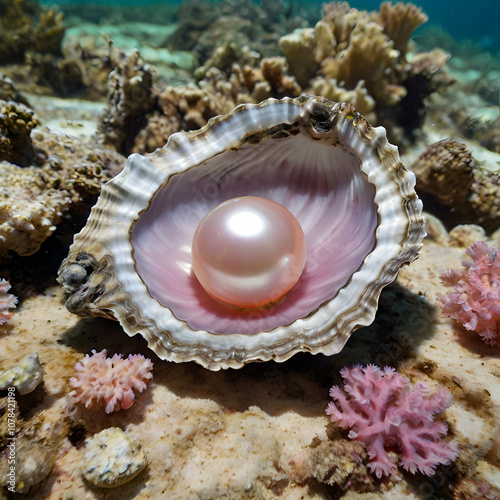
x=288, y=143
x=112, y=457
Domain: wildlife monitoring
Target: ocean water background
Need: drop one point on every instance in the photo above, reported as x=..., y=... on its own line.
x=463, y=19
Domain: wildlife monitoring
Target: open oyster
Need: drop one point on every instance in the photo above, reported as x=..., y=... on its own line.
x=339, y=177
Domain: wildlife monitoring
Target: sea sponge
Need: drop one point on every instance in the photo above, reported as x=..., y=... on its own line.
x=475, y=302
x=383, y=411
x=110, y=380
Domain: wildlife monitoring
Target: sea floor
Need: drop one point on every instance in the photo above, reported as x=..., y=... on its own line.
x=240, y=433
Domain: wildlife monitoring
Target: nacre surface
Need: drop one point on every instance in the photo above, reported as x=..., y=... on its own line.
x=337, y=175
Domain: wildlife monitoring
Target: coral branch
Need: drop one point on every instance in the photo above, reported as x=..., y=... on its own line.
x=475, y=303
x=385, y=413
x=110, y=380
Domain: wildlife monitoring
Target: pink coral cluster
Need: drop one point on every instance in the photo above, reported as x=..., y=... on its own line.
x=110, y=380
x=7, y=301
x=475, y=303
x=386, y=413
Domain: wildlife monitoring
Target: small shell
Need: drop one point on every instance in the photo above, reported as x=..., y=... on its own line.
x=335, y=173
x=112, y=457
x=25, y=375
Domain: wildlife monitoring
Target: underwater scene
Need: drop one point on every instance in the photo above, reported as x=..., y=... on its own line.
x=249, y=250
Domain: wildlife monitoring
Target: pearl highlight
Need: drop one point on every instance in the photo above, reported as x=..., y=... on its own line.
x=248, y=252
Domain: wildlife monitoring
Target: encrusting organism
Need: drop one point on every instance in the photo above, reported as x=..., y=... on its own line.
x=110, y=380
x=475, y=302
x=386, y=413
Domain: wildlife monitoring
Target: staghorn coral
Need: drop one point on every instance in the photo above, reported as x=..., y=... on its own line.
x=475, y=301
x=110, y=380
x=454, y=186
x=7, y=301
x=383, y=411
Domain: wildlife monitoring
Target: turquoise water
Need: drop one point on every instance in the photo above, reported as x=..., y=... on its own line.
x=463, y=19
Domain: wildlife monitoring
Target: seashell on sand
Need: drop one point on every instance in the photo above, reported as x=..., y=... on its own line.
x=339, y=177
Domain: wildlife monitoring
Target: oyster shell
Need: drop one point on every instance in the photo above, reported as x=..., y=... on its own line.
x=340, y=178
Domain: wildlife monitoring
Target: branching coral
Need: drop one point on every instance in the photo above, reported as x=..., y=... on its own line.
x=110, y=380
x=7, y=301
x=475, y=302
x=385, y=413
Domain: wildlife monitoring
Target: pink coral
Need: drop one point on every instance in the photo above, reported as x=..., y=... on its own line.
x=475, y=303
x=110, y=380
x=385, y=413
x=7, y=301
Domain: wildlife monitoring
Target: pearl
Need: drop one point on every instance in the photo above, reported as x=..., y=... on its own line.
x=248, y=252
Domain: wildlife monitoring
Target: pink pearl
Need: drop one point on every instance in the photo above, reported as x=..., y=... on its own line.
x=248, y=252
